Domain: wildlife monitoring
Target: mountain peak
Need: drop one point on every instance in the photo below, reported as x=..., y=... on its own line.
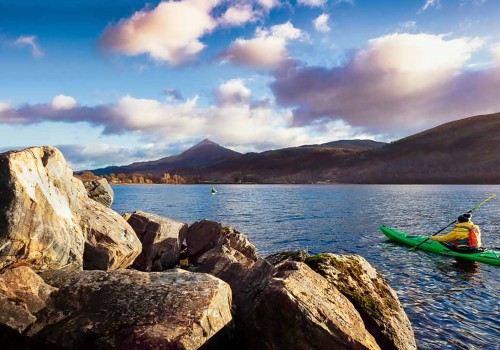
x=205, y=142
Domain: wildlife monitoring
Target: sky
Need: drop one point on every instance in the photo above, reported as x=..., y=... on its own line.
x=118, y=81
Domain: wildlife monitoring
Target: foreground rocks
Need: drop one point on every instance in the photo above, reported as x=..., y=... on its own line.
x=47, y=220
x=161, y=240
x=372, y=296
x=122, y=309
x=230, y=298
x=100, y=191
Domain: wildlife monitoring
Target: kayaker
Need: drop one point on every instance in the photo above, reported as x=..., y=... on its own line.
x=465, y=236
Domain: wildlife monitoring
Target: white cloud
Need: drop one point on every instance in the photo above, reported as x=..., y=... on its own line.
x=4, y=106
x=268, y=4
x=399, y=82
x=31, y=42
x=428, y=4
x=312, y=3
x=233, y=92
x=170, y=32
x=321, y=23
x=235, y=119
x=238, y=15
x=63, y=102
x=268, y=48
x=495, y=52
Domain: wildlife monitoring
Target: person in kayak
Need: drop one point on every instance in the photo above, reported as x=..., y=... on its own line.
x=465, y=236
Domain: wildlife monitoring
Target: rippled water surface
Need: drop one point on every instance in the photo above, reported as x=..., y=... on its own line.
x=451, y=305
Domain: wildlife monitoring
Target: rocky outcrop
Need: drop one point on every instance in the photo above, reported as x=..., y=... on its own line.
x=131, y=310
x=47, y=219
x=299, y=309
x=161, y=240
x=100, y=191
x=372, y=296
x=205, y=235
x=22, y=294
x=110, y=242
x=38, y=200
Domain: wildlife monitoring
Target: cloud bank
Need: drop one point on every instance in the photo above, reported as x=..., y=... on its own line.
x=235, y=119
x=404, y=82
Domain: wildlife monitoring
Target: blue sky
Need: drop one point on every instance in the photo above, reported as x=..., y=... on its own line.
x=111, y=82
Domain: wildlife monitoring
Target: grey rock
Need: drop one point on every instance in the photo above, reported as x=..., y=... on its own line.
x=372, y=296
x=161, y=240
x=100, y=191
x=132, y=310
x=47, y=219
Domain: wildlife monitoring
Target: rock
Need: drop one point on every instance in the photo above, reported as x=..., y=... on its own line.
x=110, y=241
x=42, y=211
x=205, y=235
x=298, y=255
x=299, y=309
x=161, y=240
x=130, y=309
x=372, y=296
x=38, y=199
x=22, y=294
x=100, y=191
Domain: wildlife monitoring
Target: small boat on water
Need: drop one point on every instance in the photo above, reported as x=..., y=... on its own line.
x=214, y=191
x=487, y=256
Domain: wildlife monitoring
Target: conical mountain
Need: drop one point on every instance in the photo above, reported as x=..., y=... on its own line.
x=204, y=153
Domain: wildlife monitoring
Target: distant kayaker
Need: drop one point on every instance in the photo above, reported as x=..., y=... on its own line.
x=465, y=236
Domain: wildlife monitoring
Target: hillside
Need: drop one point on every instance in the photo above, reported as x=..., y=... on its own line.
x=462, y=151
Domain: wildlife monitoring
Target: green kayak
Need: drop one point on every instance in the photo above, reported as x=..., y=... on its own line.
x=491, y=257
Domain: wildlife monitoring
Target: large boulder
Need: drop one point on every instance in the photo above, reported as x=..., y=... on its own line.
x=299, y=309
x=38, y=200
x=130, y=309
x=110, y=242
x=161, y=240
x=372, y=296
x=42, y=211
x=22, y=294
x=100, y=191
x=204, y=235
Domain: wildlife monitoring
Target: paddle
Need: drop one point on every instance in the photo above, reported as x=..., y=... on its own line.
x=451, y=223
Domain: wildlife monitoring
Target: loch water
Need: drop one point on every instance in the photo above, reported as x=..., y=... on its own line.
x=451, y=304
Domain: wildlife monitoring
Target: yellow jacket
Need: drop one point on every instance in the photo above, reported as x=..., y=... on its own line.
x=459, y=233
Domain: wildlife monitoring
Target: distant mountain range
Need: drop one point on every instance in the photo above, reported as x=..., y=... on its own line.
x=463, y=151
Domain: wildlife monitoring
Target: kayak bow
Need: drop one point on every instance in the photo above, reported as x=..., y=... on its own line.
x=491, y=257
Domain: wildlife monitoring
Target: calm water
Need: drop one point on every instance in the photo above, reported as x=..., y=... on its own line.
x=450, y=305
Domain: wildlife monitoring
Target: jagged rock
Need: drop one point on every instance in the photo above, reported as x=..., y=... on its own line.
x=299, y=309
x=42, y=211
x=298, y=255
x=38, y=199
x=22, y=294
x=110, y=241
x=372, y=296
x=100, y=191
x=130, y=309
x=161, y=240
x=205, y=235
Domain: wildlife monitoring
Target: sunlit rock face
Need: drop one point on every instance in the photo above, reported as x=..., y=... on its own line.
x=100, y=191
x=161, y=240
x=47, y=220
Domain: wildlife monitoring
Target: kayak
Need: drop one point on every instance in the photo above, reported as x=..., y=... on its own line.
x=488, y=256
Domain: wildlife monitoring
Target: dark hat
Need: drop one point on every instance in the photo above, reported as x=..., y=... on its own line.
x=464, y=217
